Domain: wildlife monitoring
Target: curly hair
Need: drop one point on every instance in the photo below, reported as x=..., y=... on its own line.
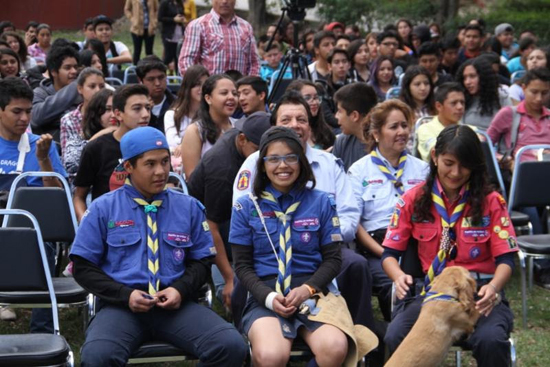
x=377, y=118
x=22, y=53
x=488, y=86
x=463, y=143
x=405, y=94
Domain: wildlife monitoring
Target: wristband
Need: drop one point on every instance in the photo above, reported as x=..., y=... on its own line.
x=269, y=300
x=311, y=290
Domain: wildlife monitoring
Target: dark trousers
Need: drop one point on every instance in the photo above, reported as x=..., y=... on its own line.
x=138, y=40
x=42, y=318
x=115, y=333
x=489, y=342
x=170, y=49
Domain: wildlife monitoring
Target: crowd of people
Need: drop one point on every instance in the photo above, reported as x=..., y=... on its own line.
x=323, y=188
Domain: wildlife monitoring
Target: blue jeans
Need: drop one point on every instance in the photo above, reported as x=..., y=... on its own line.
x=115, y=333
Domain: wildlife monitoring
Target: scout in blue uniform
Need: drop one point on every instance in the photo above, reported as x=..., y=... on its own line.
x=144, y=251
x=286, y=239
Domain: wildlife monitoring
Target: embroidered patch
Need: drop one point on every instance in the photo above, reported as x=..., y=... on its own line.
x=332, y=200
x=244, y=180
x=400, y=202
x=475, y=252
x=365, y=183
x=394, y=221
x=414, y=181
x=375, y=182
x=336, y=237
x=505, y=221
x=124, y=223
x=501, y=201
x=286, y=329
x=254, y=213
x=178, y=237
x=305, y=222
x=111, y=224
x=396, y=238
x=305, y=237
x=335, y=222
x=205, y=226
x=85, y=214
x=213, y=250
x=466, y=222
x=475, y=233
x=238, y=206
x=503, y=235
x=485, y=221
x=179, y=254
x=269, y=214
x=497, y=229
x=388, y=235
x=512, y=243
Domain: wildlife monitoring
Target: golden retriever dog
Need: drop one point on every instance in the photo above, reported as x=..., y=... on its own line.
x=441, y=322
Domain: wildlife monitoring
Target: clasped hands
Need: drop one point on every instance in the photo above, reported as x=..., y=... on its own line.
x=285, y=306
x=168, y=298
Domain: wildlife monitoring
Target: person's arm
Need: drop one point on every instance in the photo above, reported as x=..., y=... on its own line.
x=191, y=48
x=243, y=259
x=46, y=108
x=128, y=9
x=489, y=291
x=346, y=205
x=170, y=129
x=123, y=58
x=222, y=262
x=191, y=146
x=196, y=274
x=402, y=281
x=501, y=124
x=43, y=146
x=369, y=243
x=79, y=201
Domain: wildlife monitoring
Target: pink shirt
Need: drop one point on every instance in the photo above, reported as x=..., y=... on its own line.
x=219, y=46
x=531, y=130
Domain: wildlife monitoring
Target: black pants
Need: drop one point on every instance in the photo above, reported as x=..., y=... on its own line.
x=138, y=40
x=170, y=49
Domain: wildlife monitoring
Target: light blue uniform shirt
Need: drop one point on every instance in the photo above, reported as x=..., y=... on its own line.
x=314, y=224
x=375, y=194
x=330, y=177
x=113, y=236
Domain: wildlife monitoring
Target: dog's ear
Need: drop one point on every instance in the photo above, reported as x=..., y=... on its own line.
x=466, y=288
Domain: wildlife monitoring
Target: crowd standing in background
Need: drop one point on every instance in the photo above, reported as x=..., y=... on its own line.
x=377, y=146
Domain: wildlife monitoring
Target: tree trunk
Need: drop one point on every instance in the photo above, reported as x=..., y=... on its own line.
x=257, y=15
x=448, y=9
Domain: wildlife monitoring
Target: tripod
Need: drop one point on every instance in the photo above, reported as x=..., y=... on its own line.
x=293, y=57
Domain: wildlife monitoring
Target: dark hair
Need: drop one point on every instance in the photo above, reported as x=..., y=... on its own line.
x=97, y=46
x=85, y=73
x=463, y=143
x=91, y=121
x=335, y=51
x=474, y=27
x=57, y=55
x=343, y=36
x=378, y=116
x=542, y=74
x=322, y=133
x=388, y=34
x=5, y=44
x=86, y=57
x=88, y=22
x=524, y=44
x=121, y=95
x=42, y=26
x=63, y=42
x=373, y=79
x=6, y=24
x=444, y=89
x=258, y=84
x=210, y=131
x=319, y=36
x=306, y=173
x=492, y=44
x=303, y=38
x=429, y=48
x=182, y=103
x=10, y=52
x=359, y=97
x=22, y=46
x=102, y=19
x=405, y=94
x=450, y=42
x=234, y=75
x=262, y=39
x=31, y=24
x=274, y=45
x=488, y=85
x=148, y=64
x=292, y=97
x=407, y=41
x=353, y=49
x=13, y=88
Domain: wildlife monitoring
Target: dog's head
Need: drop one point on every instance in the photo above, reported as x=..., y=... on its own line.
x=457, y=282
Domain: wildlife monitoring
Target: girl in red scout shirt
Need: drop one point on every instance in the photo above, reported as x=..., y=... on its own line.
x=456, y=217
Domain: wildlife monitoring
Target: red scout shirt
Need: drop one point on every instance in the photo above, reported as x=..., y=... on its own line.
x=477, y=246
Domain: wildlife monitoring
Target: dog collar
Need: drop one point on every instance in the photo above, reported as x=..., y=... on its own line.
x=435, y=296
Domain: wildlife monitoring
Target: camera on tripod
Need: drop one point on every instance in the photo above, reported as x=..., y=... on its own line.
x=297, y=8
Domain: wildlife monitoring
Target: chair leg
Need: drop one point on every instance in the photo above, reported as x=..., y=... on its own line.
x=530, y=269
x=513, y=355
x=458, y=358
x=522, y=267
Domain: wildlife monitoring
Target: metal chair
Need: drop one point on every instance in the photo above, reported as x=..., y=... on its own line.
x=24, y=269
x=393, y=92
x=115, y=82
x=530, y=189
x=410, y=264
x=182, y=182
x=420, y=121
x=53, y=209
x=130, y=76
x=174, y=83
x=516, y=76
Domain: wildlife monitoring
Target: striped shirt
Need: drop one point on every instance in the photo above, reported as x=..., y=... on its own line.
x=219, y=46
x=70, y=126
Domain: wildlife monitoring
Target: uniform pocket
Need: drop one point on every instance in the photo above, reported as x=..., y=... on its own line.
x=305, y=235
x=473, y=245
x=174, y=252
x=123, y=252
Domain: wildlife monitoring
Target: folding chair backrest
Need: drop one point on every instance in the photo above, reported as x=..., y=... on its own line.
x=410, y=262
x=420, y=121
x=530, y=180
x=393, y=92
x=493, y=170
x=20, y=268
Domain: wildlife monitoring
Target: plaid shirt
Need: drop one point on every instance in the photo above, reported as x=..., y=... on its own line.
x=219, y=46
x=71, y=126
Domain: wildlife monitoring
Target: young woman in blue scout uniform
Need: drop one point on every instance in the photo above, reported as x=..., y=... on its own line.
x=458, y=221
x=144, y=251
x=379, y=179
x=285, y=240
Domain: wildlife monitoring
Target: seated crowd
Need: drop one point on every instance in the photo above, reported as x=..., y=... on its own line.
x=319, y=190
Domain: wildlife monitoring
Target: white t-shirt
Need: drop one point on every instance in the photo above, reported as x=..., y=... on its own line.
x=119, y=47
x=172, y=136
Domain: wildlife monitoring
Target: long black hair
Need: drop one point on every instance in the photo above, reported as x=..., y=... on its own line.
x=210, y=131
x=182, y=104
x=489, y=101
x=406, y=95
x=91, y=121
x=463, y=143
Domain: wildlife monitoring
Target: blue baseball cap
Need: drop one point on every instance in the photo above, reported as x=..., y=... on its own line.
x=141, y=140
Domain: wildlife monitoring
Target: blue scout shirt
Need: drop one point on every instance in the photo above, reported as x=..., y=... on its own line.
x=9, y=155
x=113, y=236
x=314, y=224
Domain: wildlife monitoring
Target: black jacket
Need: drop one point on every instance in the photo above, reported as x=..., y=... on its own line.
x=167, y=11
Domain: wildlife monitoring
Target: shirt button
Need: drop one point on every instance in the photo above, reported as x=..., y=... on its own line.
x=396, y=195
x=373, y=196
x=421, y=236
x=122, y=241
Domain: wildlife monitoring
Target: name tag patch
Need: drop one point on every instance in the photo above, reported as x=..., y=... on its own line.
x=306, y=222
x=178, y=237
x=475, y=233
x=414, y=182
x=120, y=224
